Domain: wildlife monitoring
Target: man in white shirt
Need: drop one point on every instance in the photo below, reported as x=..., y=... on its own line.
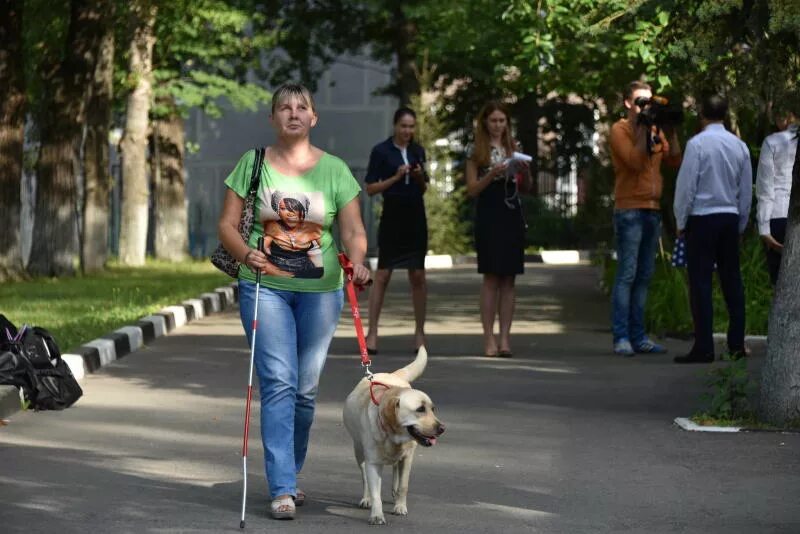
x=712, y=204
x=773, y=186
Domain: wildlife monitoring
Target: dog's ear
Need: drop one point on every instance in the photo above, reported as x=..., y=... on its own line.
x=389, y=413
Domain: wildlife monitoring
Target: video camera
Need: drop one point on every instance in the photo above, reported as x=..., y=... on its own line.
x=657, y=111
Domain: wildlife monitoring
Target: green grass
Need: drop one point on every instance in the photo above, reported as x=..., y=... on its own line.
x=668, y=311
x=79, y=309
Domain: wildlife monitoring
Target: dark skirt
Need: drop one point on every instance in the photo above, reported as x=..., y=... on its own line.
x=499, y=233
x=403, y=233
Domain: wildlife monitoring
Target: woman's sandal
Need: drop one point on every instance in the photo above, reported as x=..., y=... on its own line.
x=300, y=499
x=282, y=508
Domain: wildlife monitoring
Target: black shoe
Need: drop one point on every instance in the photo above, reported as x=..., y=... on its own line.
x=372, y=352
x=694, y=358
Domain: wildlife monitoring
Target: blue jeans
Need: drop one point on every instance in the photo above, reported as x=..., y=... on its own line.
x=637, y=232
x=294, y=331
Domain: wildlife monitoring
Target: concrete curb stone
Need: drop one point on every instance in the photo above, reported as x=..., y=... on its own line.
x=98, y=353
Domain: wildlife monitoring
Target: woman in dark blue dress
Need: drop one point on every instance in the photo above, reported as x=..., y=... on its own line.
x=397, y=171
x=499, y=221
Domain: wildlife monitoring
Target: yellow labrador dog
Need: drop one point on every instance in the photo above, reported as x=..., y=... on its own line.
x=386, y=422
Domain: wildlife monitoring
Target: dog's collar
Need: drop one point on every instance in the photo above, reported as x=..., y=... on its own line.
x=373, y=383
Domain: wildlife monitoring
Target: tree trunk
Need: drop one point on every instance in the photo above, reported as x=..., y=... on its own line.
x=171, y=216
x=55, y=227
x=528, y=113
x=135, y=194
x=12, y=131
x=780, y=381
x=98, y=180
x=405, y=36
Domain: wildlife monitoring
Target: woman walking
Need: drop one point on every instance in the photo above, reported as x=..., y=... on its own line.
x=499, y=222
x=397, y=171
x=300, y=192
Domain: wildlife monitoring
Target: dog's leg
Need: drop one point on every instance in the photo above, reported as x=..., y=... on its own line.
x=396, y=478
x=365, y=502
x=373, y=472
x=402, y=473
x=359, y=452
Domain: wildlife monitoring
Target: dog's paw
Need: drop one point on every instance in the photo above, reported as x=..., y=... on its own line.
x=400, y=509
x=365, y=503
x=377, y=520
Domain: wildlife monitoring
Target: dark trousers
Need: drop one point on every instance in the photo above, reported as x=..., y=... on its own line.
x=777, y=227
x=714, y=239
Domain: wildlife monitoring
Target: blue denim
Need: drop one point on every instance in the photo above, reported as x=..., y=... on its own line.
x=637, y=232
x=294, y=332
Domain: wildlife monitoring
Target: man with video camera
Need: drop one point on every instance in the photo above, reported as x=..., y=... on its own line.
x=639, y=143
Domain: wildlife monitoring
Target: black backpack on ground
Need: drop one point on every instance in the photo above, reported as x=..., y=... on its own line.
x=16, y=370
x=31, y=360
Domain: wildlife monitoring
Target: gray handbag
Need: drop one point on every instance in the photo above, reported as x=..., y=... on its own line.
x=221, y=258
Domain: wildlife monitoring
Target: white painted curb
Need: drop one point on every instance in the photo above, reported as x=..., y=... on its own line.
x=215, y=301
x=135, y=336
x=178, y=312
x=76, y=365
x=561, y=257
x=106, y=348
x=439, y=261
x=159, y=324
x=197, y=306
x=686, y=424
x=227, y=291
x=721, y=337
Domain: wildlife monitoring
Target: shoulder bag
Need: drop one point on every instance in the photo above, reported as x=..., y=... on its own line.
x=221, y=258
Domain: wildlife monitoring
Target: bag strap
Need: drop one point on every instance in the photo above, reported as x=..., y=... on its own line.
x=256, y=176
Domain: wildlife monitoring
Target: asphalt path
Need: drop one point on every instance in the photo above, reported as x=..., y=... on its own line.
x=563, y=438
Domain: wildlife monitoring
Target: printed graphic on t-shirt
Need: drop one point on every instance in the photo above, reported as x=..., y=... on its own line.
x=292, y=231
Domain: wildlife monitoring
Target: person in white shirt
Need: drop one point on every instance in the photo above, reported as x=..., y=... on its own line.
x=712, y=204
x=773, y=186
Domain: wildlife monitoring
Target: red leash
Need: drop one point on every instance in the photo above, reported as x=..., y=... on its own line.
x=347, y=266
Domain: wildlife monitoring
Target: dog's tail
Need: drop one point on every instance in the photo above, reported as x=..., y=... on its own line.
x=414, y=370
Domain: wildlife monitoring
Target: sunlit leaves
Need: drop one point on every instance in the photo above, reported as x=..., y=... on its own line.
x=204, y=52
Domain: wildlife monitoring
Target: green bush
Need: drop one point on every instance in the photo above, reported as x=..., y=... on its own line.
x=547, y=227
x=730, y=389
x=731, y=397
x=668, y=311
x=447, y=232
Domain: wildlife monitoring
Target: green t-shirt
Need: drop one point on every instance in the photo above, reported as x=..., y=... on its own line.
x=295, y=214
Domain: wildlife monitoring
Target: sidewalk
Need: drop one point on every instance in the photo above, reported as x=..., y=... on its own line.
x=564, y=438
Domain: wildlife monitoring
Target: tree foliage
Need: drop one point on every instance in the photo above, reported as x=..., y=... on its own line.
x=744, y=49
x=204, y=54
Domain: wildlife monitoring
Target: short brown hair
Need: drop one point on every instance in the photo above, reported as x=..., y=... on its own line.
x=635, y=86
